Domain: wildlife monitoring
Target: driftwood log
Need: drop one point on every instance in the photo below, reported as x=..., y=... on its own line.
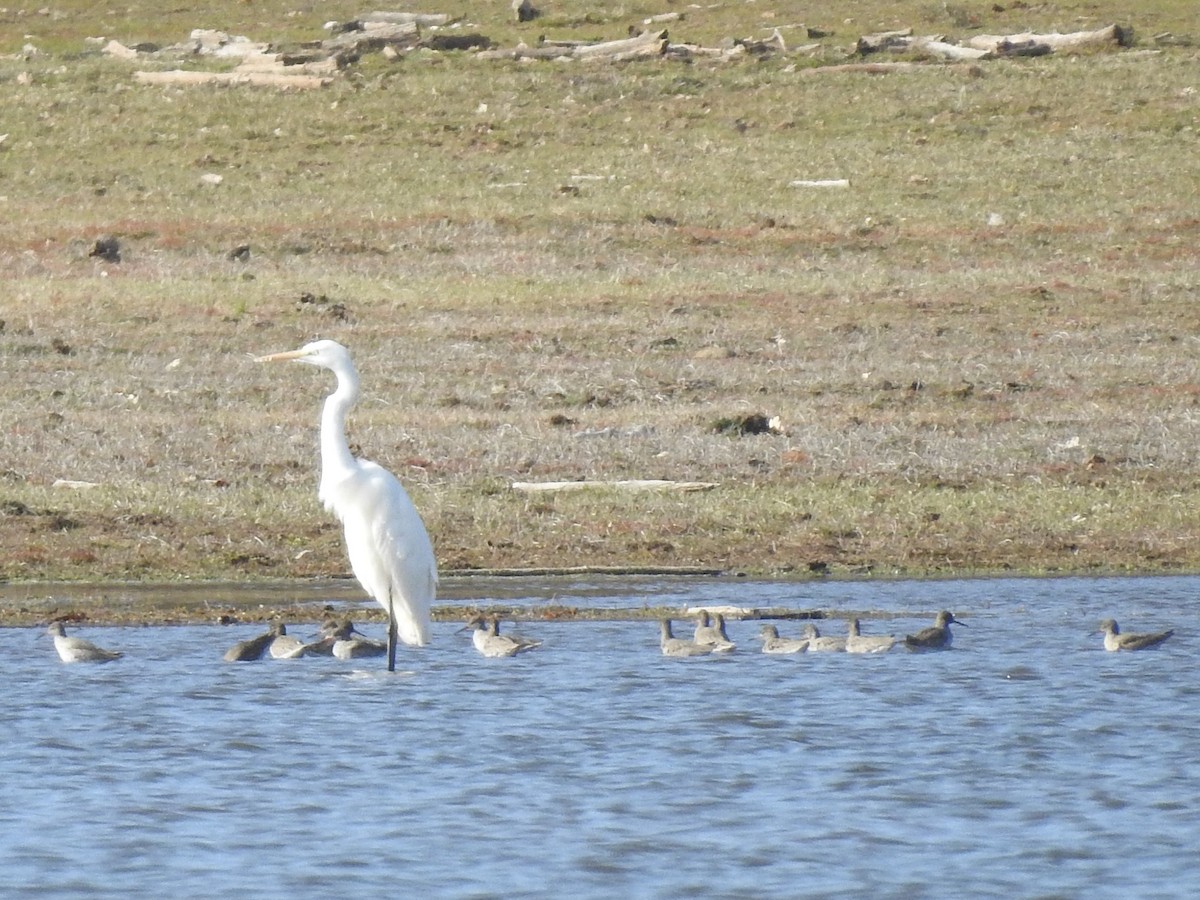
x=649, y=44
x=257, y=79
x=883, y=40
x=1109, y=36
x=541, y=487
x=373, y=37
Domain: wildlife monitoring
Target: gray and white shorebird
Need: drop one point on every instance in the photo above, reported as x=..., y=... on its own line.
x=1114, y=640
x=250, y=649
x=73, y=649
x=350, y=643
x=673, y=646
x=284, y=645
x=819, y=643
x=937, y=637
x=857, y=642
x=710, y=631
x=488, y=640
x=773, y=643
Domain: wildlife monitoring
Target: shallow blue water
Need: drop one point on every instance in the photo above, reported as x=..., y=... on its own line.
x=1024, y=762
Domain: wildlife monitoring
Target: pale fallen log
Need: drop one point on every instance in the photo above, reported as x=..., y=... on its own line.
x=535, y=487
x=74, y=485
x=821, y=183
x=373, y=37
x=421, y=20
x=523, y=51
x=117, y=50
x=644, y=45
x=881, y=68
x=1076, y=40
x=255, y=79
x=211, y=42
x=883, y=40
x=939, y=49
x=652, y=43
x=280, y=64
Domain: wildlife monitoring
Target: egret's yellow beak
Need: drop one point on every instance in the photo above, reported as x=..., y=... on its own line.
x=278, y=357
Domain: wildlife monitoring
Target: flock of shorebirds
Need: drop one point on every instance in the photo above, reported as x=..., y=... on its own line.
x=340, y=639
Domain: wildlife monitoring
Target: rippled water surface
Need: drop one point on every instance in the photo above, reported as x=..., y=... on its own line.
x=1024, y=762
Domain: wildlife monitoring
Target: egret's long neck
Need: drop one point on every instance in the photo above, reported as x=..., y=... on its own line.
x=335, y=451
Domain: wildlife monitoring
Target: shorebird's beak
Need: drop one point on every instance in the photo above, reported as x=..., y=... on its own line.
x=960, y=622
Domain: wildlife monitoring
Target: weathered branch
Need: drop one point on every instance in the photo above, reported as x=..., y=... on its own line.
x=533, y=487
x=1110, y=35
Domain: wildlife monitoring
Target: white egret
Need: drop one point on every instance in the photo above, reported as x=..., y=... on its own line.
x=389, y=549
x=1114, y=640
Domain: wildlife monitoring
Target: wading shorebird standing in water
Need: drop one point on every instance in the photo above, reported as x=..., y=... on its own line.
x=818, y=643
x=389, y=549
x=73, y=649
x=673, y=646
x=937, y=636
x=710, y=632
x=856, y=642
x=773, y=643
x=488, y=640
x=1114, y=640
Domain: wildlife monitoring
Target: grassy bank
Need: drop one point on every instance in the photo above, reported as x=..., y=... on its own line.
x=983, y=352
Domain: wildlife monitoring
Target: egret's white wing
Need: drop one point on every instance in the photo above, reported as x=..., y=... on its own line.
x=389, y=548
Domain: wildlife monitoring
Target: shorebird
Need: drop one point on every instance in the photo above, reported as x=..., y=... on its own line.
x=773, y=643
x=491, y=643
x=1114, y=640
x=937, y=636
x=284, y=645
x=73, y=649
x=711, y=632
x=526, y=642
x=250, y=649
x=673, y=646
x=350, y=643
x=860, y=643
x=819, y=644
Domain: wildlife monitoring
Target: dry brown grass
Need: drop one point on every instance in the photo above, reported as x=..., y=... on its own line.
x=983, y=352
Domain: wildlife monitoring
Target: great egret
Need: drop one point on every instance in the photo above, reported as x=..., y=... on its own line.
x=389, y=549
x=1114, y=640
x=937, y=636
x=73, y=649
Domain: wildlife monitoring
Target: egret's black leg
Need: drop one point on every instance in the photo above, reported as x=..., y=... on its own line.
x=391, y=640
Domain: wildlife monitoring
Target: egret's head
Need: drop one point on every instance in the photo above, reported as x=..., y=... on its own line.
x=326, y=354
